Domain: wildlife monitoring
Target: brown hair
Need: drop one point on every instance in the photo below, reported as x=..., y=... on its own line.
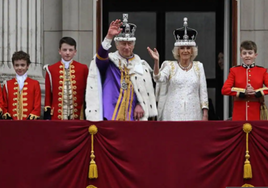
x=21, y=55
x=68, y=40
x=248, y=45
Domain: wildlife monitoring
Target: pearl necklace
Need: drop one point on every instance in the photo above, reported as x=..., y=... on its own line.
x=185, y=68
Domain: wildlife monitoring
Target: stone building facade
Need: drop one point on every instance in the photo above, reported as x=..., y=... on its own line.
x=36, y=27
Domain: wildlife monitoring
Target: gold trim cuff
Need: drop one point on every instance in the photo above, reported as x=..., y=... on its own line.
x=33, y=117
x=236, y=89
x=101, y=58
x=46, y=108
x=261, y=89
x=7, y=116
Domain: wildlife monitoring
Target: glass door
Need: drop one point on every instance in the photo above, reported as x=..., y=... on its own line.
x=155, y=24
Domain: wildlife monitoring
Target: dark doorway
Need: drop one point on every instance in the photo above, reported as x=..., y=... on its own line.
x=156, y=21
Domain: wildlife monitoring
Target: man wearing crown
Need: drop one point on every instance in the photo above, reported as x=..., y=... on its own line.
x=121, y=78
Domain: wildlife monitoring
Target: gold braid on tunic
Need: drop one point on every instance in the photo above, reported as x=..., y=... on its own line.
x=125, y=99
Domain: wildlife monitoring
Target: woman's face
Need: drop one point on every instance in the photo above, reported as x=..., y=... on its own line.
x=185, y=52
x=220, y=60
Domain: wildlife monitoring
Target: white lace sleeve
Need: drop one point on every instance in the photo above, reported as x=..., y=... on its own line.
x=164, y=73
x=203, y=88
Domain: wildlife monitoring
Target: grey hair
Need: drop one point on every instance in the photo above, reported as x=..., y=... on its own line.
x=176, y=54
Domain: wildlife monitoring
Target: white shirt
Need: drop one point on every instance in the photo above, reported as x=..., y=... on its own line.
x=66, y=63
x=21, y=79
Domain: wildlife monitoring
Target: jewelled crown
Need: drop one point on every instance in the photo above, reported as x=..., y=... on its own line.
x=128, y=31
x=185, y=36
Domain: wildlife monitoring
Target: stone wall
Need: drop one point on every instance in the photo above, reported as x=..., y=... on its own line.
x=67, y=18
x=36, y=26
x=254, y=26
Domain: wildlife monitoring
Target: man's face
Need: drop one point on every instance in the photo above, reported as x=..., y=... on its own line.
x=67, y=52
x=125, y=48
x=185, y=52
x=248, y=56
x=20, y=67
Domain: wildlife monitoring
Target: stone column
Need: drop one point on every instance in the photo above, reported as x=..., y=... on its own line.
x=77, y=22
x=20, y=24
x=20, y=29
x=254, y=26
x=36, y=26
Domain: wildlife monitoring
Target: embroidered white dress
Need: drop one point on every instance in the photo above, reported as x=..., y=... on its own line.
x=181, y=94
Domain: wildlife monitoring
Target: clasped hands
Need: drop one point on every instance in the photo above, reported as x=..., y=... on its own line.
x=250, y=90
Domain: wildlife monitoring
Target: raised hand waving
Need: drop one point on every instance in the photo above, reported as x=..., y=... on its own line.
x=114, y=29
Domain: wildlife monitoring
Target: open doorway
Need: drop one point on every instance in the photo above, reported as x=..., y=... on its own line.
x=156, y=21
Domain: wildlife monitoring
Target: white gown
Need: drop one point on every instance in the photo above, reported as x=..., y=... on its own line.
x=181, y=94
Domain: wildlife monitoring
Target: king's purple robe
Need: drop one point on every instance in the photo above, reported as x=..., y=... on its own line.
x=113, y=93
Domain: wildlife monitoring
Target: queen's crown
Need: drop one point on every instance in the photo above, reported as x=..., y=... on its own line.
x=185, y=36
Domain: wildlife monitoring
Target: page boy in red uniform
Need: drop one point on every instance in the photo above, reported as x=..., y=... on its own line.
x=65, y=85
x=21, y=95
x=246, y=84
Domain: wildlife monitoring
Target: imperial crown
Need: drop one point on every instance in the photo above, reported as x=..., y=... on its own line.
x=128, y=31
x=185, y=36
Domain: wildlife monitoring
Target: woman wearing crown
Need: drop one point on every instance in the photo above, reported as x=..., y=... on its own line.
x=181, y=88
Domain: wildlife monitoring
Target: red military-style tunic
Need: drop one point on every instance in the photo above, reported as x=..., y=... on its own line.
x=54, y=85
x=246, y=107
x=22, y=104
